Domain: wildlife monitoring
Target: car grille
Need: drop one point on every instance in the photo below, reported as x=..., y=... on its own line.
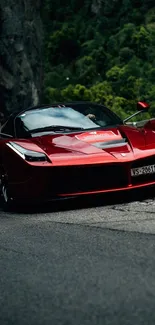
x=143, y=178
x=72, y=179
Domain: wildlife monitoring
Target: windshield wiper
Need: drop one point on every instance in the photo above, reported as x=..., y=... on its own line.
x=56, y=128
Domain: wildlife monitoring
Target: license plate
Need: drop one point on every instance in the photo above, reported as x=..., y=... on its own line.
x=143, y=170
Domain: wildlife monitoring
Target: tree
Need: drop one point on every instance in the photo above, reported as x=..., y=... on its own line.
x=100, y=55
x=140, y=41
x=63, y=46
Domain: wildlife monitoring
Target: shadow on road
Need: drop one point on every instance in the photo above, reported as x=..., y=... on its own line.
x=86, y=202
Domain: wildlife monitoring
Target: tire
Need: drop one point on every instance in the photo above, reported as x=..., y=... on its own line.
x=7, y=200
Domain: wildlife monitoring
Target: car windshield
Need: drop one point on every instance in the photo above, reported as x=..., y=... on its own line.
x=67, y=118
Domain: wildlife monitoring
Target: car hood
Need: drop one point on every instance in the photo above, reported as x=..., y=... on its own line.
x=111, y=145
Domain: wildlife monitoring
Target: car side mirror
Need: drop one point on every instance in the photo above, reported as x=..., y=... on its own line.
x=142, y=106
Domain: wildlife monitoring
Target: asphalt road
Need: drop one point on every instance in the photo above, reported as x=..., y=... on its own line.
x=81, y=264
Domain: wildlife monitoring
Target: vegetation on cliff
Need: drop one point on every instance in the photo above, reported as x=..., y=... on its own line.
x=102, y=51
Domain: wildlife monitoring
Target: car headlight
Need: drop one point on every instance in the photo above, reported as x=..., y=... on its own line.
x=26, y=154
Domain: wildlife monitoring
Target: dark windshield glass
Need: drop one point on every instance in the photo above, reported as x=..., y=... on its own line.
x=88, y=116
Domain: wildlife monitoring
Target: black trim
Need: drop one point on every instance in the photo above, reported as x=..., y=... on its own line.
x=6, y=135
x=110, y=144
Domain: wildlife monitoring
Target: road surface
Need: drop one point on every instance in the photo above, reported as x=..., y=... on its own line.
x=79, y=264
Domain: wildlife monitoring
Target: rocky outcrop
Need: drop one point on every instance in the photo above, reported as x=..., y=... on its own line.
x=21, y=38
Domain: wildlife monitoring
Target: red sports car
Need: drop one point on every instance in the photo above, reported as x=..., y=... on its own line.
x=72, y=149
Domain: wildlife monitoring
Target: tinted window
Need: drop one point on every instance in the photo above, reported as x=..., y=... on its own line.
x=8, y=128
x=21, y=129
x=83, y=116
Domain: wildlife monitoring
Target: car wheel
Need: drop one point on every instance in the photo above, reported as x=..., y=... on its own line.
x=7, y=200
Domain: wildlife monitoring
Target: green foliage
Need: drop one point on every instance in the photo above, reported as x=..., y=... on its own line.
x=63, y=46
x=102, y=52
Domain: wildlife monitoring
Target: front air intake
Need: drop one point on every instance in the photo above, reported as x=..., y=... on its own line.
x=84, y=178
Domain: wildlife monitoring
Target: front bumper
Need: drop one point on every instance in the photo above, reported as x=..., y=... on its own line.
x=47, y=183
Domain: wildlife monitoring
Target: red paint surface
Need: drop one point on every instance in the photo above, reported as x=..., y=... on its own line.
x=78, y=149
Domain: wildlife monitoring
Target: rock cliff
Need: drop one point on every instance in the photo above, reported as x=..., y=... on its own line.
x=21, y=38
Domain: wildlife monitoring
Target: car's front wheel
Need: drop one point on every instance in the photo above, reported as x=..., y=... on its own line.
x=7, y=200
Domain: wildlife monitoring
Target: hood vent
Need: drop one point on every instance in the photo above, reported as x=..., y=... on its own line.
x=110, y=144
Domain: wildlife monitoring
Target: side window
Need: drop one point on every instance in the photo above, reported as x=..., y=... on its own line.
x=8, y=128
x=20, y=129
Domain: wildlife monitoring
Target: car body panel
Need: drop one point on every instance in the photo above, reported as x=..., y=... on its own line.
x=80, y=163
x=75, y=149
